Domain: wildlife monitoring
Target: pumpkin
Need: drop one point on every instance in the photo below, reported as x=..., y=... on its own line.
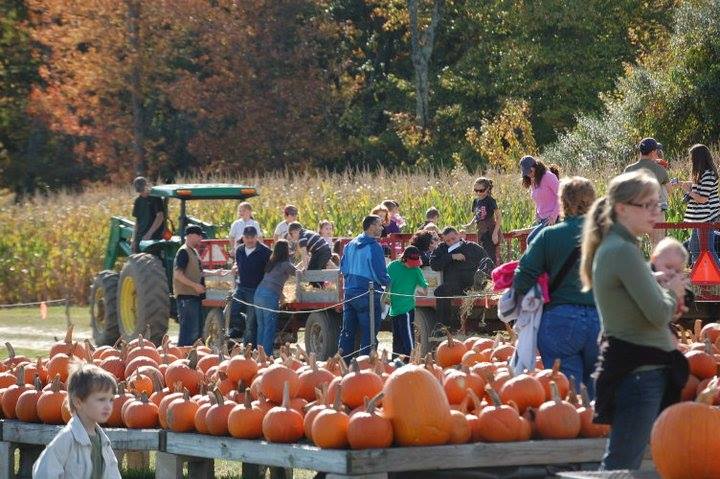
x=281, y=423
x=557, y=419
x=65, y=411
x=502, y=353
x=245, y=420
x=216, y=418
x=67, y=346
x=201, y=415
x=684, y=439
x=587, y=427
x=450, y=352
x=115, y=366
x=526, y=429
x=312, y=378
x=416, y=405
x=167, y=347
x=553, y=374
x=359, y=384
x=702, y=385
x=13, y=392
x=472, y=357
x=702, y=363
x=473, y=381
x=460, y=432
x=483, y=344
x=319, y=405
x=524, y=390
x=273, y=381
x=59, y=364
x=691, y=388
x=208, y=361
x=242, y=367
x=710, y=331
x=498, y=422
x=140, y=413
x=329, y=429
x=136, y=364
x=140, y=383
x=36, y=368
x=144, y=349
x=8, y=378
x=158, y=391
x=116, y=419
x=185, y=372
x=368, y=429
x=13, y=359
x=26, y=406
x=177, y=393
x=263, y=404
x=224, y=384
x=49, y=404
x=181, y=413
x=455, y=385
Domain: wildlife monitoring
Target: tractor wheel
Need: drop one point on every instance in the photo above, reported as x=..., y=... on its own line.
x=321, y=334
x=426, y=331
x=214, y=327
x=103, y=308
x=143, y=298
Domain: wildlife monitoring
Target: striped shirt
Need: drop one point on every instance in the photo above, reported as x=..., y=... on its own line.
x=709, y=211
x=312, y=241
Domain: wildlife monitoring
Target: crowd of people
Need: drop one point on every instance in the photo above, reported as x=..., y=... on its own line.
x=605, y=300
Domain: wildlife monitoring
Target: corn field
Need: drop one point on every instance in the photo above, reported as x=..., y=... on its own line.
x=52, y=247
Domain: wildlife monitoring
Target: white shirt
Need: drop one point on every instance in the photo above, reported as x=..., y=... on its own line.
x=281, y=230
x=238, y=226
x=249, y=251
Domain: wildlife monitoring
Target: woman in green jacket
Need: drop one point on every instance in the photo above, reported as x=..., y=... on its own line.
x=635, y=312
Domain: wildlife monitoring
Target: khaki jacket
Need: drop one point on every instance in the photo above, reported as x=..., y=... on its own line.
x=68, y=455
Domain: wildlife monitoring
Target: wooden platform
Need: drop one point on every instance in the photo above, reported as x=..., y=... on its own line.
x=199, y=451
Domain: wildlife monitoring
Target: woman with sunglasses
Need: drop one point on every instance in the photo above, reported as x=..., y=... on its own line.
x=486, y=217
x=640, y=370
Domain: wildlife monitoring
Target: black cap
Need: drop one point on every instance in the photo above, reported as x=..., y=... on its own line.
x=194, y=229
x=647, y=145
x=250, y=231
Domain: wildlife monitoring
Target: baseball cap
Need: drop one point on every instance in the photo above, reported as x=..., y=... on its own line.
x=648, y=144
x=194, y=230
x=250, y=231
x=527, y=162
x=411, y=257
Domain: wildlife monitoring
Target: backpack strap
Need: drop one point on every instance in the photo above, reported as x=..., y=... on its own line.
x=565, y=269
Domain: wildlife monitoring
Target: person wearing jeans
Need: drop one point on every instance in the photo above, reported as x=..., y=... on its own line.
x=703, y=202
x=251, y=258
x=363, y=262
x=640, y=370
x=278, y=270
x=569, y=326
x=189, y=287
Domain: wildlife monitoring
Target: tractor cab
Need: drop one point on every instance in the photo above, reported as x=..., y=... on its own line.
x=138, y=299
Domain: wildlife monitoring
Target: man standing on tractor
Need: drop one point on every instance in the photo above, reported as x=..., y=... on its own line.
x=189, y=286
x=149, y=214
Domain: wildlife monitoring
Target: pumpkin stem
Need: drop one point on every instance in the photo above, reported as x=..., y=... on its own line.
x=312, y=362
x=143, y=397
x=476, y=400
x=120, y=391
x=494, y=397
x=56, y=384
x=247, y=401
x=186, y=394
x=343, y=366
x=708, y=346
x=354, y=366
x=511, y=333
x=585, y=397
x=572, y=392
x=555, y=393
x=37, y=383
x=337, y=404
x=117, y=343
x=89, y=346
x=192, y=358
x=219, y=399
x=372, y=403
x=10, y=350
x=157, y=384
x=20, y=380
x=463, y=406
x=697, y=328
x=69, y=334
x=555, y=367
x=286, y=395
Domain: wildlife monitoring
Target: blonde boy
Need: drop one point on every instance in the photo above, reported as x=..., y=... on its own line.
x=81, y=450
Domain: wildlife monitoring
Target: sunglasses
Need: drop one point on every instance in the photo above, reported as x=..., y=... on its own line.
x=481, y=190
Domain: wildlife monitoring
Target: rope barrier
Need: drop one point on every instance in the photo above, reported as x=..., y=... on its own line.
x=34, y=303
x=305, y=311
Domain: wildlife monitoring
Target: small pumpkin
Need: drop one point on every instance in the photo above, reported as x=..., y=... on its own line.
x=524, y=390
x=140, y=413
x=312, y=378
x=242, y=367
x=553, y=374
x=185, y=372
x=272, y=383
x=450, y=352
x=368, y=429
x=26, y=406
x=586, y=412
x=498, y=422
x=13, y=392
x=312, y=411
x=557, y=419
x=245, y=420
x=702, y=363
x=281, y=423
x=216, y=418
x=359, y=384
x=49, y=405
x=329, y=429
x=119, y=400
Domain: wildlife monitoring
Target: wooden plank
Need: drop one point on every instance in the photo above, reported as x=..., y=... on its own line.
x=7, y=459
x=610, y=475
x=41, y=434
x=258, y=452
x=475, y=455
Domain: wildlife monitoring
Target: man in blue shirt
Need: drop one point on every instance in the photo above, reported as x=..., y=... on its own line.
x=363, y=261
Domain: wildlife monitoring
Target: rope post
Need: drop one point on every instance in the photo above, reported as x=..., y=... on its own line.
x=67, y=312
x=371, y=295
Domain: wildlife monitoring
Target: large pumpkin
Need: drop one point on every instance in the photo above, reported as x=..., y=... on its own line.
x=416, y=405
x=684, y=439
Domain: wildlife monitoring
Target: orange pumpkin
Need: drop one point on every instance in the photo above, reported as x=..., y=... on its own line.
x=67, y=346
x=690, y=390
x=693, y=426
x=165, y=403
x=140, y=413
x=13, y=359
x=329, y=429
x=460, y=432
x=702, y=364
x=450, y=352
x=7, y=379
x=49, y=405
x=115, y=366
x=455, y=385
x=498, y=422
x=201, y=415
x=273, y=380
x=553, y=374
x=116, y=419
x=416, y=405
x=524, y=390
x=144, y=348
x=245, y=420
x=312, y=378
x=359, y=384
x=587, y=427
x=557, y=419
x=368, y=429
x=224, y=384
x=281, y=423
x=59, y=364
x=319, y=405
x=13, y=392
x=185, y=372
x=216, y=418
x=26, y=406
x=36, y=368
x=140, y=383
x=242, y=367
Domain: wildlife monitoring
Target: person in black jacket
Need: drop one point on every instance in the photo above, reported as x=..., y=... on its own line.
x=458, y=260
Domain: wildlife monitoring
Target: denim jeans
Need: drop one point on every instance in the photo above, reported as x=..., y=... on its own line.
x=569, y=332
x=694, y=244
x=356, y=314
x=266, y=320
x=190, y=319
x=637, y=404
x=242, y=317
x=536, y=229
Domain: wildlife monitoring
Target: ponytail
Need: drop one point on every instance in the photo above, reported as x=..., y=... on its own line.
x=555, y=169
x=597, y=223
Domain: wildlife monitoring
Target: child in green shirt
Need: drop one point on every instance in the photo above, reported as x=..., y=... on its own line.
x=405, y=276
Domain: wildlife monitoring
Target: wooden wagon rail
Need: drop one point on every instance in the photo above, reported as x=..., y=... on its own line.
x=199, y=451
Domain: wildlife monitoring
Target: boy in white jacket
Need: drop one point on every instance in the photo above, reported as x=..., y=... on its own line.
x=81, y=450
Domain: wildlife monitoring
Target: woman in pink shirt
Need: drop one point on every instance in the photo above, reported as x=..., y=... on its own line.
x=543, y=183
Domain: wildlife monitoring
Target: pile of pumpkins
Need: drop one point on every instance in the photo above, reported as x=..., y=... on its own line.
x=462, y=393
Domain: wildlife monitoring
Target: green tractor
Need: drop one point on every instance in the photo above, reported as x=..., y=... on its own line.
x=139, y=298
